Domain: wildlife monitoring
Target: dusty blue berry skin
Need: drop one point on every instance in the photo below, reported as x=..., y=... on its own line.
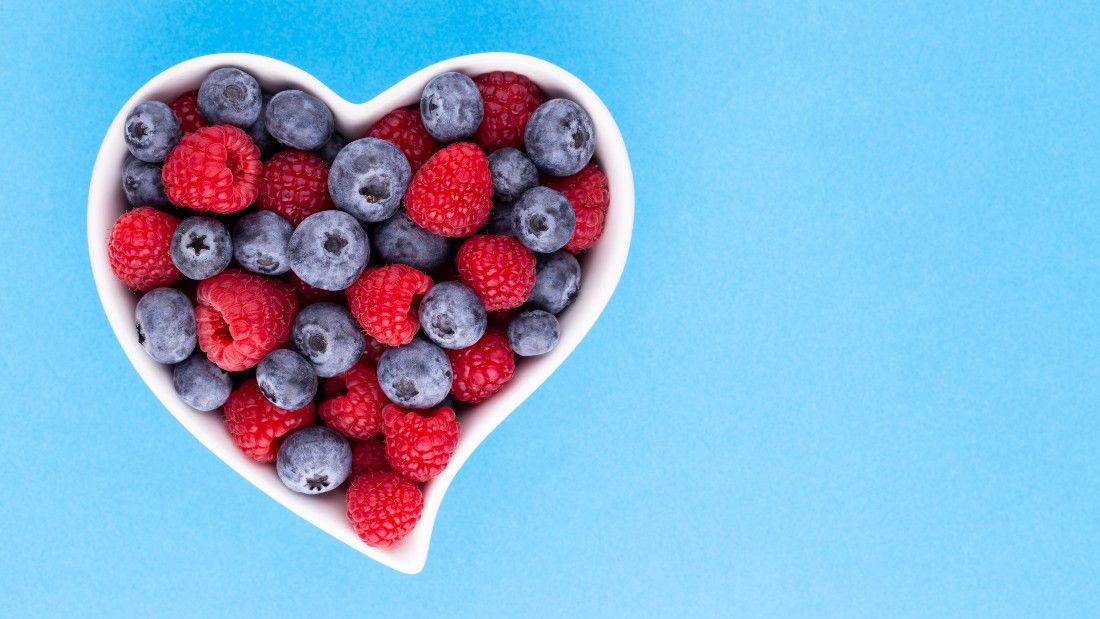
x=368, y=179
x=417, y=375
x=559, y=137
x=314, y=460
x=557, y=282
x=151, y=130
x=258, y=131
x=533, y=333
x=452, y=315
x=286, y=379
x=451, y=107
x=229, y=96
x=543, y=220
x=500, y=218
x=299, y=120
x=327, y=335
x=201, y=384
x=399, y=240
x=329, y=250
x=261, y=241
x=142, y=184
x=513, y=174
x=201, y=247
x=165, y=323
x=332, y=147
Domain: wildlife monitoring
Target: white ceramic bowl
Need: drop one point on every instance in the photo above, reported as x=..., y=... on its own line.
x=602, y=266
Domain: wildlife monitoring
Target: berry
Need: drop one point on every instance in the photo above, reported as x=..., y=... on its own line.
x=295, y=185
x=452, y=316
x=557, y=281
x=329, y=250
x=286, y=379
x=416, y=375
x=559, y=137
x=368, y=179
x=385, y=300
x=200, y=384
x=587, y=191
x=141, y=183
x=369, y=456
x=261, y=241
x=383, y=508
x=533, y=333
x=590, y=224
x=257, y=426
x=498, y=268
x=201, y=247
x=509, y=99
x=242, y=317
x=314, y=460
x=404, y=129
x=332, y=147
x=165, y=322
x=186, y=109
x=513, y=173
x=258, y=131
x=500, y=218
x=400, y=240
x=139, y=248
x=450, y=107
x=543, y=220
x=373, y=350
x=299, y=120
x=308, y=295
x=326, y=334
x=151, y=130
x=229, y=96
x=214, y=169
x=482, y=370
x=355, y=401
x=419, y=444
x=452, y=193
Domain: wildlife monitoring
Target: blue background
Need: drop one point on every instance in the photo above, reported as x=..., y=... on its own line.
x=851, y=369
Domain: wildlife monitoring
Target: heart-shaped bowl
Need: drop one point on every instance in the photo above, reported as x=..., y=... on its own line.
x=601, y=266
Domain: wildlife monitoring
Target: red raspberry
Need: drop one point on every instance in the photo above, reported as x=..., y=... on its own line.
x=510, y=99
x=498, y=268
x=419, y=444
x=383, y=508
x=385, y=301
x=354, y=401
x=482, y=369
x=587, y=191
x=213, y=169
x=590, y=223
x=404, y=129
x=258, y=426
x=186, y=107
x=368, y=456
x=373, y=350
x=308, y=295
x=139, y=248
x=241, y=317
x=295, y=185
x=452, y=194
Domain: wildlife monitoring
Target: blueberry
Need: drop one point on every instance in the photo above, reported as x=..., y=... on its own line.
x=452, y=316
x=500, y=218
x=286, y=379
x=559, y=137
x=329, y=250
x=417, y=375
x=260, y=243
x=329, y=337
x=165, y=322
x=543, y=220
x=229, y=96
x=451, y=107
x=201, y=384
x=513, y=174
x=201, y=247
x=368, y=179
x=557, y=281
x=332, y=147
x=258, y=131
x=314, y=460
x=299, y=120
x=400, y=240
x=142, y=184
x=533, y=333
x=151, y=131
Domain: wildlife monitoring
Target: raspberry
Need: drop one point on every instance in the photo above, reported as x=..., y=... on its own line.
x=308, y=295
x=258, y=426
x=482, y=369
x=368, y=456
x=241, y=317
x=498, y=268
x=587, y=191
x=383, y=508
x=354, y=401
x=139, y=248
x=385, y=302
x=452, y=194
x=186, y=107
x=373, y=349
x=214, y=169
x=404, y=129
x=419, y=444
x=510, y=99
x=590, y=222
x=295, y=185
